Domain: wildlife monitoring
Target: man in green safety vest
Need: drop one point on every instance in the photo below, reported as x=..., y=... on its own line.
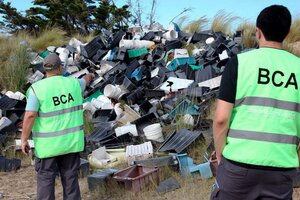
x=256, y=125
x=54, y=113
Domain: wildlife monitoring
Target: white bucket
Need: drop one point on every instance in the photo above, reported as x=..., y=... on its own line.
x=112, y=91
x=154, y=132
x=131, y=128
x=171, y=35
x=209, y=40
x=90, y=107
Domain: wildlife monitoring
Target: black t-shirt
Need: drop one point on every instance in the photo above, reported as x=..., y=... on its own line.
x=227, y=89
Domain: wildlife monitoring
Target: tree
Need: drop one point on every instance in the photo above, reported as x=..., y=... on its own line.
x=72, y=15
x=137, y=12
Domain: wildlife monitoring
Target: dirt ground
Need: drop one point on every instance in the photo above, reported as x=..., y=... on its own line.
x=22, y=185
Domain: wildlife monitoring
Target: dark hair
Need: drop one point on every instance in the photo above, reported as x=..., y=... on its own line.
x=274, y=21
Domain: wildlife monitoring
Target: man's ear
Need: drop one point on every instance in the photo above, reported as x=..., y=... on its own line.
x=258, y=33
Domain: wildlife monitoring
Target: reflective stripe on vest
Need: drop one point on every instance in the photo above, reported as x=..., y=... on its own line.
x=261, y=136
x=56, y=133
x=264, y=125
x=60, y=112
x=58, y=126
x=270, y=102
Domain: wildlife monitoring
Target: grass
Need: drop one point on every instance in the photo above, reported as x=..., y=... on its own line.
x=51, y=36
x=222, y=22
x=195, y=25
x=248, y=34
x=83, y=38
x=292, y=41
x=14, y=63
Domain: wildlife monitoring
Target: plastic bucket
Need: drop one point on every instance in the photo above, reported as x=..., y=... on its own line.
x=154, y=132
x=171, y=35
x=112, y=91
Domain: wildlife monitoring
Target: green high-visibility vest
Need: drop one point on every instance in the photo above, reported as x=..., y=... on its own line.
x=265, y=122
x=58, y=127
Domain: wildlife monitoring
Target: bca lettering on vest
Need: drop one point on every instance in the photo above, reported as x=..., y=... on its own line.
x=62, y=99
x=277, y=78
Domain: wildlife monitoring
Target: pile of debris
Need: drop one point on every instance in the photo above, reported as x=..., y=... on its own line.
x=149, y=97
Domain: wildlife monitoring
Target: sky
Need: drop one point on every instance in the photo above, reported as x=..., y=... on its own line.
x=167, y=9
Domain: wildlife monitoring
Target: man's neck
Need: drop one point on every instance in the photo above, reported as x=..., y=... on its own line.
x=270, y=44
x=49, y=74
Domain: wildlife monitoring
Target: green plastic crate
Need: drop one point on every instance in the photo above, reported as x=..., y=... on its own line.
x=133, y=53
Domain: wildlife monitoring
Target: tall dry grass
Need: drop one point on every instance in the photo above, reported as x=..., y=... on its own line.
x=51, y=36
x=83, y=38
x=248, y=34
x=292, y=41
x=222, y=22
x=14, y=63
x=196, y=25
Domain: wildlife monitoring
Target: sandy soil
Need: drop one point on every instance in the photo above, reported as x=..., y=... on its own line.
x=22, y=185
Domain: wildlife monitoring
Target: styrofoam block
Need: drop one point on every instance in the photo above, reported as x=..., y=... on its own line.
x=211, y=83
x=36, y=77
x=178, y=84
x=181, y=53
x=19, y=144
x=223, y=55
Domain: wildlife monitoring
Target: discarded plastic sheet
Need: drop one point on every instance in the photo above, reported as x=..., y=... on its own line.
x=185, y=107
x=175, y=84
x=7, y=165
x=7, y=103
x=144, y=121
x=125, y=116
x=100, y=133
x=178, y=141
x=205, y=74
x=168, y=185
x=211, y=83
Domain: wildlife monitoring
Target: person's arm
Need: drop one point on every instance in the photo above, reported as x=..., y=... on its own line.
x=31, y=110
x=226, y=100
x=28, y=122
x=88, y=78
x=221, y=125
